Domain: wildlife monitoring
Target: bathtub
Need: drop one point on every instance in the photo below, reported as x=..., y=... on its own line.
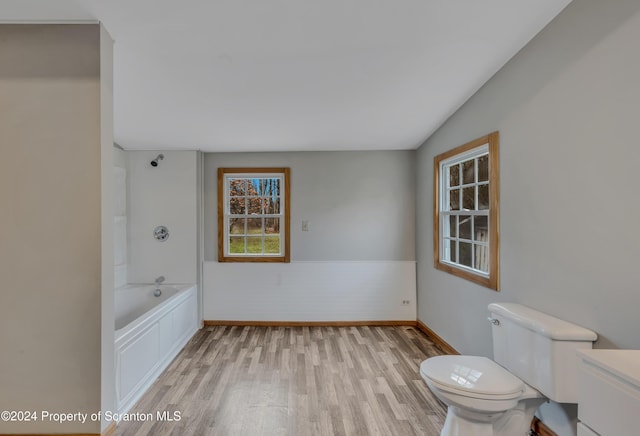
x=149, y=332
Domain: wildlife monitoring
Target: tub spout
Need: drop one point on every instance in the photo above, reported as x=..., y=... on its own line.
x=159, y=280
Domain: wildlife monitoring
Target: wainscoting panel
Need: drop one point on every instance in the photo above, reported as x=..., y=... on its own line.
x=310, y=291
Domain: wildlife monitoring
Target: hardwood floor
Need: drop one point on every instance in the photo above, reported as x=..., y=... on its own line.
x=294, y=381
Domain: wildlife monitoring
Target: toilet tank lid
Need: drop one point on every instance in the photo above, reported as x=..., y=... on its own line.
x=546, y=325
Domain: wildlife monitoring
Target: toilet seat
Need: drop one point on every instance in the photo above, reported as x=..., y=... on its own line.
x=472, y=376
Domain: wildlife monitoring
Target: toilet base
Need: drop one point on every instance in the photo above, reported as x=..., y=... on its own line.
x=457, y=424
x=513, y=422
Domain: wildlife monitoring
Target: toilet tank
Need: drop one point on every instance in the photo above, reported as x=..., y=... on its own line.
x=539, y=348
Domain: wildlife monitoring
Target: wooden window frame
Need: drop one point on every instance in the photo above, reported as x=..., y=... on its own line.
x=492, y=279
x=222, y=256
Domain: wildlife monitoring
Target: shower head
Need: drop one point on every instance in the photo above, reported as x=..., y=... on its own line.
x=154, y=163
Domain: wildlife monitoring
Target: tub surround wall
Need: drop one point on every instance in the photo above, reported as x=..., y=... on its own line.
x=165, y=195
x=54, y=124
x=566, y=107
x=357, y=260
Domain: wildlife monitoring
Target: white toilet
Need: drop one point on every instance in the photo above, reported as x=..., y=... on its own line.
x=535, y=360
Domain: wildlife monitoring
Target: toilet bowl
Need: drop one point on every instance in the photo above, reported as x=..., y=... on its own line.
x=534, y=360
x=483, y=398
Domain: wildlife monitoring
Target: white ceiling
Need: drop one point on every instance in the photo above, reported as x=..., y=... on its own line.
x=275, y=75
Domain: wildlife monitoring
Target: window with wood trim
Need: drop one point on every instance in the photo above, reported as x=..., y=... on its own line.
x=466, y=181
x=253, y=214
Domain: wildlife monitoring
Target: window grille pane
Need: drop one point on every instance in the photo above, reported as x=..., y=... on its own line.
x=454, y=175
x=468, y=171
x=452, y=255
x=236, y=226
x=254, y=206
x=469, y=198
x=254, y=226
x=271, y=205
x=236, y=245
x=465, y=255
x=483, y=168
x=454, y=251
x=253, y=186
x=237, y=205
x=464, y=227
x=236, y=187
x=270, y=187
x=272, y=244
x=483, y=197
x=453, y=226
x=272, y=226
x=454, y=199
x=254, y=244
x=481, y=228
x=482, y=258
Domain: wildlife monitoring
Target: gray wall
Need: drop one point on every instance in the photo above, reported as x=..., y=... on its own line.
x=108, y=383
x=567, y=109
x=360, y=205
x=50, y=223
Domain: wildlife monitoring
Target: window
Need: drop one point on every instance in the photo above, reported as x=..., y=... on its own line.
x=253, y=214
x=466, y=211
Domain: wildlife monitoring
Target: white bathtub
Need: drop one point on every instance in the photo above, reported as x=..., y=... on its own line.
x=150, y=332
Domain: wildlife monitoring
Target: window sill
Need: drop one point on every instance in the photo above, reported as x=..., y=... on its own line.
x=487, y=282
x=253, y=259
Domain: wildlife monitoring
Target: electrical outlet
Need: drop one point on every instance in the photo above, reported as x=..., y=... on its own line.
x=406, y=302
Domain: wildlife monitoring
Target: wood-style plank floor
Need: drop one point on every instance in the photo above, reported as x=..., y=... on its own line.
x=295, y=381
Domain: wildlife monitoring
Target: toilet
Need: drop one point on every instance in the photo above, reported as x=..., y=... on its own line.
x=534, y=361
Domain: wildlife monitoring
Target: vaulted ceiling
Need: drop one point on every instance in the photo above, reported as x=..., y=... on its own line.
x=275, y=75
